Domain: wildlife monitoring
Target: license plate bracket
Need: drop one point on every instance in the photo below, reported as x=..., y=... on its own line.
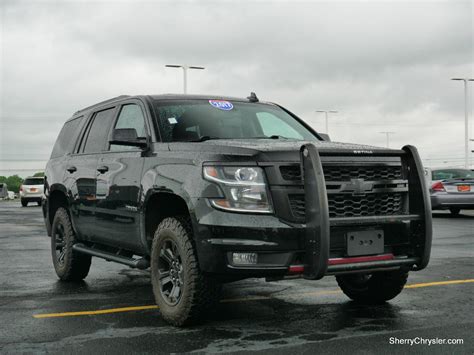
x=368, y=242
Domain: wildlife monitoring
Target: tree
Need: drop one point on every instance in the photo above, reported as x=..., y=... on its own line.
x=13, y=182
x=39, y=174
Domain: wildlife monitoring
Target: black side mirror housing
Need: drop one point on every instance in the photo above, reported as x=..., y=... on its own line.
x=325, y=137
x=127, y=136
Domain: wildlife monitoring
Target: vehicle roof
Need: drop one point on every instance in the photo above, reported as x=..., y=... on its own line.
x=200, y=97
x=162, y=97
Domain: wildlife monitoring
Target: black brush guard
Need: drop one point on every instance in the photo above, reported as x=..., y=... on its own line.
x=316, y=263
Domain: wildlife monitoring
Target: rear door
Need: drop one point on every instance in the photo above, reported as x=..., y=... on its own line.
x=82, y=172
x=119, y=183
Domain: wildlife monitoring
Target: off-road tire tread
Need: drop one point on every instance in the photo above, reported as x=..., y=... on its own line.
x=455, y=211
x=381, y=287
x=77, y=265
x=205, y=292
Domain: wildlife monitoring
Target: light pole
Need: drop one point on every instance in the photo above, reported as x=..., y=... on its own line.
x=326, y=112
x=466, y=122
x=185, y=73
x=388, y=137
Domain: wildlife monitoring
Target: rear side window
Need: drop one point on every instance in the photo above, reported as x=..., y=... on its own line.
x=98, y=131
x=66, y=139
x=33, y=181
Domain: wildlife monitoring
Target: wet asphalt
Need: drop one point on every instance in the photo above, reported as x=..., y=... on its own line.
x=287, y=317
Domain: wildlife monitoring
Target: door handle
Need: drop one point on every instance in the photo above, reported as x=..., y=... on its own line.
x=103, y=169
x=71, y=169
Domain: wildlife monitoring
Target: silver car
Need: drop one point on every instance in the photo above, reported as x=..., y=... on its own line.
x=32, y=190
x=451, y=189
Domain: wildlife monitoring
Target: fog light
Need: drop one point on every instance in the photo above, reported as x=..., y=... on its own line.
x=244, y=258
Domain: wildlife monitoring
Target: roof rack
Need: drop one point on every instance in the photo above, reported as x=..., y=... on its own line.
x=102, y=102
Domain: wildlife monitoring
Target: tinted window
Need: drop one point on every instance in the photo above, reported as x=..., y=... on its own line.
x=98, y=133
x=447, y=174
x=273, y=126
x=131, y=116
x=192, y=119
x=66, y=139
x=33, y=181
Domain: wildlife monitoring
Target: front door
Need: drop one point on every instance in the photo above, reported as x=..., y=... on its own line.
x=119, y=185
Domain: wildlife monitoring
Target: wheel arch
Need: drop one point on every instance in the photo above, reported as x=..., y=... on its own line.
x=160, y=205
x=57, y=198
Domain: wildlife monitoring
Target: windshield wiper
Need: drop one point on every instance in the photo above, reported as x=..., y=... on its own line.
x=271, y=137
x=203, y=139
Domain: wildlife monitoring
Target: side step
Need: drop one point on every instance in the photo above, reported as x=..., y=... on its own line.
x=141, y=263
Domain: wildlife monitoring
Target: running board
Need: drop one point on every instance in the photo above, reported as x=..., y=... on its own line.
x=141, y=263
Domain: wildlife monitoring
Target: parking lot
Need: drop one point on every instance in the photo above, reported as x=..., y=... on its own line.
x=113, y=310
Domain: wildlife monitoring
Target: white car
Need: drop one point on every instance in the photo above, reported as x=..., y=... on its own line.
x=32, y=190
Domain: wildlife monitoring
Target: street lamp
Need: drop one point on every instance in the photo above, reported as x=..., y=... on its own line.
x=185, y=73
x=466, y=120
x=388, y=137
x=326, y=112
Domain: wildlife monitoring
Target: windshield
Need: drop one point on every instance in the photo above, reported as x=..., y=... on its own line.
x=193, y=120
x=34, y=181
x=447, y=174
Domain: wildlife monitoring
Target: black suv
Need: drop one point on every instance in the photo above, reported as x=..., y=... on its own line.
x=208, y=190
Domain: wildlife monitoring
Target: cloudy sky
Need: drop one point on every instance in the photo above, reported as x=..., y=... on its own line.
x=385, y=66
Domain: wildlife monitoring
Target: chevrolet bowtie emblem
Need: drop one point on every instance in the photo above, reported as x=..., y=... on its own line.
x=359, y=186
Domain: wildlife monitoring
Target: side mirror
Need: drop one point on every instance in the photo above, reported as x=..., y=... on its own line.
x=325, y=137
x=127, y=136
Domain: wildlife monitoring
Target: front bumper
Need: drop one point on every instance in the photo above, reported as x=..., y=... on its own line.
x=444, y=200
x=308, y=248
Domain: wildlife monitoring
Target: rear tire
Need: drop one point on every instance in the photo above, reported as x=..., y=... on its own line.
x=373, y=288
x=69, y=264
x=182, y=292
x=454, y=211
x=24, y=203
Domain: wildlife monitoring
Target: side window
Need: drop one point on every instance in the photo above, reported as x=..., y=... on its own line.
x=66, y=139
x=98, y=131
x=273, y=126
x=131, y=116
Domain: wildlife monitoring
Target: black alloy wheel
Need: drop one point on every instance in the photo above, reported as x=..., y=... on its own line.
x=60, y=243
x=170, y=273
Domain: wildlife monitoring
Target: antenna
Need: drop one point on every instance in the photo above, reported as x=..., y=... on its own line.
x=252, y=97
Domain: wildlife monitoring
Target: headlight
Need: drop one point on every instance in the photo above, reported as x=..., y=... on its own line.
x=244, y=188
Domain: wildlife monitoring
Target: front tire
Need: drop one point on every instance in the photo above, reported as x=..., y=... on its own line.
x=454, y=211
x=69, y=264
x=24, y=202
x=373, y=288
x=182, y=293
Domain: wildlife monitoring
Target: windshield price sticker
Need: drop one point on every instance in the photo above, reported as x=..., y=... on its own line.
x=221, y=105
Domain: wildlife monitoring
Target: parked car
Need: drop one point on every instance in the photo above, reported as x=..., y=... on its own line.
x=451, y=189
x=207, y=190
x=32, y=190
x=3, y=191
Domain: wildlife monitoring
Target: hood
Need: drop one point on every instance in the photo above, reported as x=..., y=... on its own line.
x=286, y=149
